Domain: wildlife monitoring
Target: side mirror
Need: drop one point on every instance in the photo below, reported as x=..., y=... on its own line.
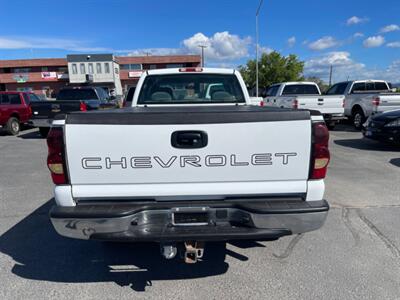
x=393, y=90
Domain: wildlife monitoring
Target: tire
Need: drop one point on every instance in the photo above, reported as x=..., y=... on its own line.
x=13, y=126
x=44, y=131
x=331, y=125
x=358, y=118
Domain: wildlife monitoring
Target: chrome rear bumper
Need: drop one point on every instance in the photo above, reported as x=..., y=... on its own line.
x=41, y=122
x=260, y=221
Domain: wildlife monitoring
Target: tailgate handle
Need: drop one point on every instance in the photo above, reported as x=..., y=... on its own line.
x=320, y=99
x=189, y=139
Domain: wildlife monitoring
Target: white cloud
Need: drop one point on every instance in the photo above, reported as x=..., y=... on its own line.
x=355, y=20
x=340, y=60
x=6, y=43
x=344, y=67
x=153, y=51
x=220, y=46
x=374, y=41
x=47, y=43
x=291, y=41
x=393, y=45
x=389, y=28
x=266, y=50
x=391, y=73
x=358, y=35
x=324, y=43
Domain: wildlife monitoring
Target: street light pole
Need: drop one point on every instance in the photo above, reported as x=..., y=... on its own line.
x=257, y=12
x=202, y=54
x=330, y=75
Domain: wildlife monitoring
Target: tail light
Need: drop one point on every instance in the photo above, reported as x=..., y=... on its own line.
x=262, y=103
x=343, y=102
x=30, y=110
x=83, y=106
x=193, y=69
x=320, y=152
x=376, y=101
x=56, y=155
x=295, y=104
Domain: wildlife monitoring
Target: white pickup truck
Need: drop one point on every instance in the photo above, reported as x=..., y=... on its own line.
x=364, y=98
x=180, y=168
x=306, y=95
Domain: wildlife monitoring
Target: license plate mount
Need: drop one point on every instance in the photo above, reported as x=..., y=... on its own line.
x=190, y=216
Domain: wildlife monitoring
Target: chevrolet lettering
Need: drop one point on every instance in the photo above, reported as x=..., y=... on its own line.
x=259, y=159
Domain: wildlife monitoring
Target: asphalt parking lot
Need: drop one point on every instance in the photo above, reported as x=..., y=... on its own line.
x=356, y=255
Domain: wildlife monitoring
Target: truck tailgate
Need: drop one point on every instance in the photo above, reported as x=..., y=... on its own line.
x=49, y=109
x=332, y=104
x=245, y=150
x=388, y=101
x=324, y=104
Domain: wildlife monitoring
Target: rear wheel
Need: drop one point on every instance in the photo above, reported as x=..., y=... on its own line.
x=358, y=118
x=331, y=125
x=13, y=127
x=44, y=131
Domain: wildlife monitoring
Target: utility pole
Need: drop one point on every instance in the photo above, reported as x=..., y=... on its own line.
x=202, y=54
x=330, y=76
x=257, y=12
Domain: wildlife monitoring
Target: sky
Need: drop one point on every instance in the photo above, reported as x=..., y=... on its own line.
x=359, y=38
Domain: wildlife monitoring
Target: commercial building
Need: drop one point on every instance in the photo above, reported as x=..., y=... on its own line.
x=96, y=69
x=116, y=73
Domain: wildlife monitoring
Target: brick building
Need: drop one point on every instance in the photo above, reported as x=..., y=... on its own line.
x=46, y=76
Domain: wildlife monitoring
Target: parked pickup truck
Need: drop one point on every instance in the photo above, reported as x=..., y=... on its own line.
x=180, y=169
x=68, y=99
x=306, y=95
x=15, y=110
x=364, y=98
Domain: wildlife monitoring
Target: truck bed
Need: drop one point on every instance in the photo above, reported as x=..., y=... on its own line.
x=44, y=112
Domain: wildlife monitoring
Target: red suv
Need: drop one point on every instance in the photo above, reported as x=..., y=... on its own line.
x=15, y=110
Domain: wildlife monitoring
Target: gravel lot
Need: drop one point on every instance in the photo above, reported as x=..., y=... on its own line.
x=356, y=255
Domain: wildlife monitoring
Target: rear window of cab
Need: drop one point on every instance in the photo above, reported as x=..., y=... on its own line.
x=300, y=89
x=191, y=89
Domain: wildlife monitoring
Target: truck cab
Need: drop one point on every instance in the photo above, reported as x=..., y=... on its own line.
x=15, y=110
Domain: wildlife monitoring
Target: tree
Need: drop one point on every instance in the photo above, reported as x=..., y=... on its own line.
x=273, y=68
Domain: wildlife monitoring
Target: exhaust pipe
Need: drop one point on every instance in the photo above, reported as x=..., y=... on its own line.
x=169, y=251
